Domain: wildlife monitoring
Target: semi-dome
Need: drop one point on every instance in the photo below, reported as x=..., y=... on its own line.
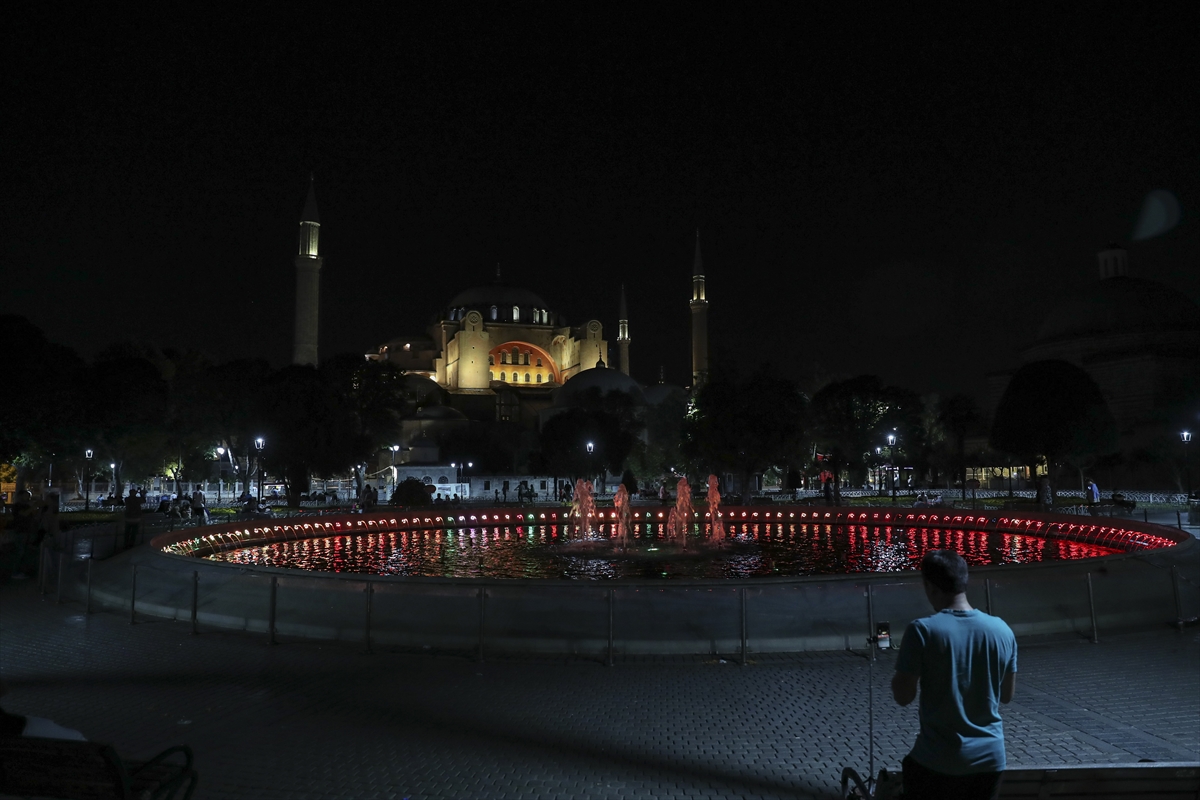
x=661, y=391
x=445, y=413
x=420, y=388
x=503, y=299
x=1121, y=305
x=578, y=390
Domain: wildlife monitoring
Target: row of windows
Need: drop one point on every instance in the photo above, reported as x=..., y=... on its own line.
x=515, y=377
x=517, y=357
x=538, y=316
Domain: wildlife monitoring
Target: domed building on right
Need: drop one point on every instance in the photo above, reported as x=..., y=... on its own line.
x=1138, y=339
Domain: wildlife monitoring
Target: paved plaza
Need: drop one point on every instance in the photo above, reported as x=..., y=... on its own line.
x=309, y=720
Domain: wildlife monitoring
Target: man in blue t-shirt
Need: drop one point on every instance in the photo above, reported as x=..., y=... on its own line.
x=965, y=662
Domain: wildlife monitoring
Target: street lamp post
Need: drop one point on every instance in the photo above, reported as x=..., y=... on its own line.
x=892, y=458
x=87, y=481
x=220, y=472
x=259, y=443
x=111, y=486
x=1186, y=438
x=393, y=448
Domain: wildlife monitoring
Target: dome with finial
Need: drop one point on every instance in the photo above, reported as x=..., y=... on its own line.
x=497, y=301
x=584, y=388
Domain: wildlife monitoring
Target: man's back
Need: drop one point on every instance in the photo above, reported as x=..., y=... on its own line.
x=962, y=657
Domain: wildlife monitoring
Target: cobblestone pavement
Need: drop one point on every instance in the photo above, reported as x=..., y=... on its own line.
x=305, y=720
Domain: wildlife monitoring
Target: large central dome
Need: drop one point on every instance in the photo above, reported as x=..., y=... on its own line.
x=1121, y=305
x=497, y=303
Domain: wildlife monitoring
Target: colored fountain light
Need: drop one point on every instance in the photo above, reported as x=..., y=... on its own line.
x=586, y=543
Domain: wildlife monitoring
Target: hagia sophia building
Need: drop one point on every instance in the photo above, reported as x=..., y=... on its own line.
x=495, y=352
x=502, y=353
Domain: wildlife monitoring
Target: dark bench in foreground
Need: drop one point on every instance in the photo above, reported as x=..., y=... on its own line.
x=32, y=767
x=1141, y=781
x=1159, y=780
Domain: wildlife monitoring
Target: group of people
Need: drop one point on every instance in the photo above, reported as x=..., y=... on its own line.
x=368, y=498
x=928, y=501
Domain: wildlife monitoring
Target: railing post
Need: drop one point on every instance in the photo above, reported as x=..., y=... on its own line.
x=87, y=603
x=133, y=597
x=987, y=587
x=1092, y=608
x=271, y=619
x=370, y=594
x=871, y=621
x=482, y=595
x=743, y=604
x=610, y=628
x=62, y=563
x=1178, y=598
x=1145, y=515
x=195, y=599
x=43, y=563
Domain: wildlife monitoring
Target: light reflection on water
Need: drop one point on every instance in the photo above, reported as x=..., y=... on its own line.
x=754, y=550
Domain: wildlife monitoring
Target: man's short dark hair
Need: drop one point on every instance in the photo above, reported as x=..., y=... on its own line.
x=946, y=570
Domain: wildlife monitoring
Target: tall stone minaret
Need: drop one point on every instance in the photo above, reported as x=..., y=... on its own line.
x=308, y=283
x=699, y=307
x=623, y=332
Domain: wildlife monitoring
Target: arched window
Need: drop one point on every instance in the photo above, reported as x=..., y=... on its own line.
x=516, y=354
x=516, y=314
x=539, y=362
x=492, y=360
x=494, y=310
x=503, y=356
x=527, y=377
x=491, y=375
x=539, y=377
x=501, y=376
x=442, y=479
x=527, y=358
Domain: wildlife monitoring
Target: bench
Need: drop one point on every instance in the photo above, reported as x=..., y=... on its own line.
x=31, y=767
x=1159, y=780
x=1141, y=781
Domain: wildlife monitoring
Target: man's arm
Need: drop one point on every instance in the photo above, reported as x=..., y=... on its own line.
x=904, y=687
x=1007, y=686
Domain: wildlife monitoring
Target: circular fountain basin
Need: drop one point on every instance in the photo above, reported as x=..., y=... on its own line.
x=784, y=579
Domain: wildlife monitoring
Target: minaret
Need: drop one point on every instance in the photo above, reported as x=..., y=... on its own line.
x=699, y=307
x=308, y=283
x=623, y=332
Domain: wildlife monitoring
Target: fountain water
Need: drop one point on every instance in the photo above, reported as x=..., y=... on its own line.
x=624, y=515
x=714, y=510
x=680, y=520
x=583, y=507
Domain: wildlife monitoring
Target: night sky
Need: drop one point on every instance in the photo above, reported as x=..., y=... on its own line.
x=891, y=189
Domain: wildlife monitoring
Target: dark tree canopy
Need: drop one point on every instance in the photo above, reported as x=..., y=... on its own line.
x=745, y=427
x=855, y=416
x=1053, y=410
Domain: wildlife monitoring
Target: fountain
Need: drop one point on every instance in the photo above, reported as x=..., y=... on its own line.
x=717, y=526
x=583, y=507
x=624, y=516
x=680, y=520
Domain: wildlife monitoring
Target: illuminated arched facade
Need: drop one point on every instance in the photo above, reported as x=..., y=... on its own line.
x=492, y=336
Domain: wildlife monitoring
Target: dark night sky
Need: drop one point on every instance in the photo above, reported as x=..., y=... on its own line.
x=891, y=189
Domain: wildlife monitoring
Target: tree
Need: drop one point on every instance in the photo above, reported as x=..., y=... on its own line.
x=311, y=429
x=45, y=391
x=230, y=397
x=959, y=415
x=853, y=417
x=1053, y=410
x=744, y=427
